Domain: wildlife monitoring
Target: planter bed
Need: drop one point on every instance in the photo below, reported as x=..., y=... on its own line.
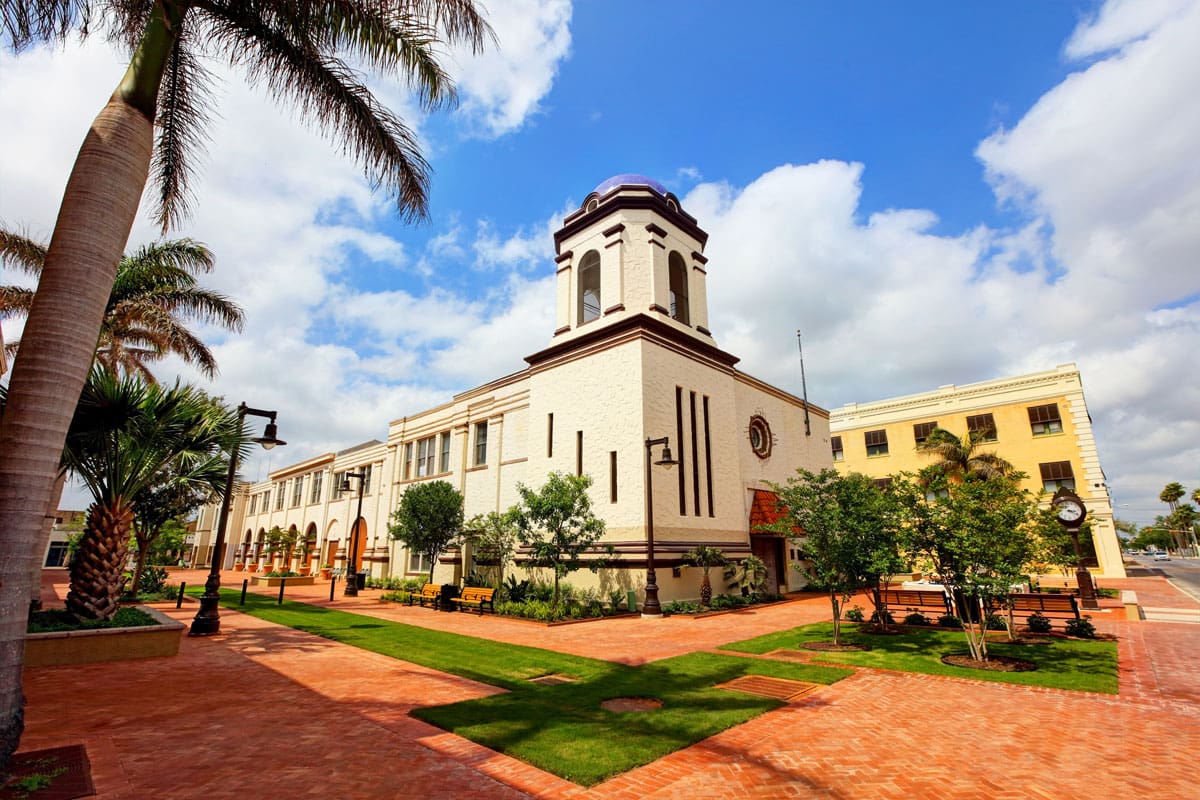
x=263, y=580
x=105, y=644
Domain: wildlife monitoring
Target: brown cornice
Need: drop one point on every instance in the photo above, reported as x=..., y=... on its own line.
x=576, y=222
x=704, y=330
x=561, y=257
x=656, y=230
x=659, y=309
x=620, y=226
x=614, y=309
x=562, y=330
x=639, y=326
x=697, y=256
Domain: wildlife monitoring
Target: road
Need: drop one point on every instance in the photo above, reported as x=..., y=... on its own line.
x=1183, y=572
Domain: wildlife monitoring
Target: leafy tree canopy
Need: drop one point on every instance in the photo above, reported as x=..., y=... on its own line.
x=429, y=519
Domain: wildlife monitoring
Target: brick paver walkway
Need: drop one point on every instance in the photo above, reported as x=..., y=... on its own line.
x=267, y=711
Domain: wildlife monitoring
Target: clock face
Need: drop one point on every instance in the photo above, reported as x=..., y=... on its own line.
x=1069, y=510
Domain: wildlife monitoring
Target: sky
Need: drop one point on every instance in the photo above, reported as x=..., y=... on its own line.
x=933, y=192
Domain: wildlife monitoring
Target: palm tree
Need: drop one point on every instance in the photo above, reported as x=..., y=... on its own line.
x=1171, y=494
x=959, y=459
x=706, y=557
x=127, y=437
x=302, y=54
x=154, y=295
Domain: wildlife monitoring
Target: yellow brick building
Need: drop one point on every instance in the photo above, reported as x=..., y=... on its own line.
x=1039, y=423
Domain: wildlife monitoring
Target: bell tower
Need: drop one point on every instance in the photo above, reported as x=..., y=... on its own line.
x=630, y=250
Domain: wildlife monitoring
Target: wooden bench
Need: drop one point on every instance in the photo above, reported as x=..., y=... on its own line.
x=1045, y=604
x=914, y=600
x=476, y=597
x=431, y=592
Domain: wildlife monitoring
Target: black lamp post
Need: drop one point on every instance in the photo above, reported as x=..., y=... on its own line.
x=351, y=589
x=208, y=620
x=651, y=607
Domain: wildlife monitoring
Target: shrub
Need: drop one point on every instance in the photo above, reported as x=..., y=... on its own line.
x=995, y=622
x=681, y=607
x=917, y=618
x=476, y=578
x=516, y=591
x=396, y=597
x=1081, y=628
x=888, y=619
x=282, y=573
x=617, y=598
x=854, y=614
x=949, y=621
x=1038, y=623
x=58, y=619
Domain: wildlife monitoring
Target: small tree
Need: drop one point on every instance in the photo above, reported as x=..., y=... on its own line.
x=748, y=575
x=557, y=525
x=494, y=537
x=706, y=558
x=979, y=537
x=428, y=520
x=851, y=534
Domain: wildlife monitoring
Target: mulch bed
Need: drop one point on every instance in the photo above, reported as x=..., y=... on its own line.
x=623, y=705
x=67, y=768
x=830, y=647
x=993, y=664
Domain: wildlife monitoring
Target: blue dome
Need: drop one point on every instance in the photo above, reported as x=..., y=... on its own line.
x=629, y=179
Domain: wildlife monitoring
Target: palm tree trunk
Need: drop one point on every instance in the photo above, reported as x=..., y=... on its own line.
x=99, y=565
x=97, y=213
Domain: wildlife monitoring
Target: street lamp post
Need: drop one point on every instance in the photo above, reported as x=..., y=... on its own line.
x=351, y=588
x=207, y=621
x=651, y=607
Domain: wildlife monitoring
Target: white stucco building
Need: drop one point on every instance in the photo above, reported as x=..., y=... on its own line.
x=632, y=357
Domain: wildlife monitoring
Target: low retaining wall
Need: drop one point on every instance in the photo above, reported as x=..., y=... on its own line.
x=263, y=580
x=107, y=644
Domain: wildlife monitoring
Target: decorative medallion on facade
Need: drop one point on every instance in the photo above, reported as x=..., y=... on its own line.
x=761, y=438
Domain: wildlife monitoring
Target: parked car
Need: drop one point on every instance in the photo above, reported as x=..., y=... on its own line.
x=1162, y=556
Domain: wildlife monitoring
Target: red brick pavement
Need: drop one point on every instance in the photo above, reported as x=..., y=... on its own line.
x=273, y=712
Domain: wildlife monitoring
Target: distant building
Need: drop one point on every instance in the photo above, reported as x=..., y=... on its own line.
x=1040, y=424
x=631, y=358
x=66, y=524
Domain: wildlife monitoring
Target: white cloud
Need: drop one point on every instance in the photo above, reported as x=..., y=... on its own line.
x=504, y=85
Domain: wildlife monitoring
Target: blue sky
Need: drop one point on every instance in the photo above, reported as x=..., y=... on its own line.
x=936, y=192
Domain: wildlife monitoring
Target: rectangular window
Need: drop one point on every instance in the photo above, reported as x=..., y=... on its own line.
x=266, y=501
x=882, y=483
x=549, y=436
x=279, y=487
x=418, y=562
x=426, y=452
x=877, y=443
x=314, y=495
x=695, y=460
x=253, y=504
x=985, y=424
x=56, y=556
x=708, y=460
x=444, y=466
x=297, y=490
x=366, y=479
x=612, y=476
x=335, y=490
x=835, y=444
x=922, y=430
x=578, y=452
x=408, y=460
x=1056, y=475
x=481, y=434
x=1044, y=420
x=679, y=439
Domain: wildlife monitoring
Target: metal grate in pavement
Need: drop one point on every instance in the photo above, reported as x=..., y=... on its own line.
x=777, y=688
x=552, y=680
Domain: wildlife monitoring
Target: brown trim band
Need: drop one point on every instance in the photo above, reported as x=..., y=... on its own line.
x=656, y=230
x=636, y=324
x=561, y=257
x=659, y=309
x=614, y=309
x=563, y=329
x=698, y=256
x=704, y=330
x=620, y=226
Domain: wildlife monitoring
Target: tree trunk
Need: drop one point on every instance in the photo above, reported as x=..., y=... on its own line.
x=837, y=617
x=99, y=565
x=705, y=590
x=144, y=543
x=59, y=340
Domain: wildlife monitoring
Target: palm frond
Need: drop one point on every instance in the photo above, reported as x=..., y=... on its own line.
x=15, y=301
x=20, y=252
x=24, y=23
x=184, y=104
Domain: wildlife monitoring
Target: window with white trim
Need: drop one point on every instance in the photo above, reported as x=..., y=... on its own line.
x=589, y=287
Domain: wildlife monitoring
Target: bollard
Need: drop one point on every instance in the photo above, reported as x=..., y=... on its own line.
x=179, y=600
x=245, y=583
x=332, y=583
x=282, y=582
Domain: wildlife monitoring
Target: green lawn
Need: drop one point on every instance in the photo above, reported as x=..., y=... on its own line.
x=1083, y=665
x=561, y=728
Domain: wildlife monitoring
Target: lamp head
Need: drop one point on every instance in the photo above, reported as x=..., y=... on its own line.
x=345, y=487
x=269, y=439
x=666, y=460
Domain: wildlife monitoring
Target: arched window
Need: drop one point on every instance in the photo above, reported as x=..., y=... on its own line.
x=679, y=288
x=589, y=287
